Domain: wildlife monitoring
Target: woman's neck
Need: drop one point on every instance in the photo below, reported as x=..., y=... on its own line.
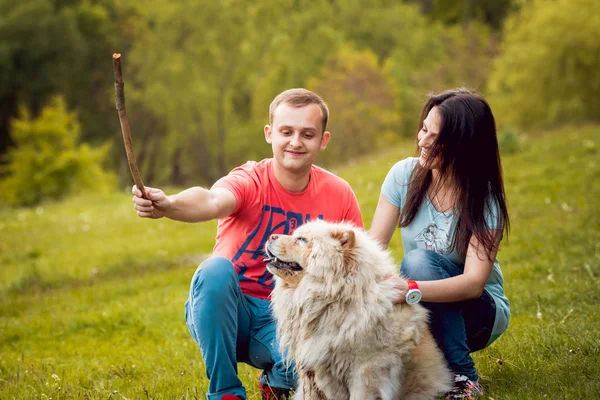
x=443, y=191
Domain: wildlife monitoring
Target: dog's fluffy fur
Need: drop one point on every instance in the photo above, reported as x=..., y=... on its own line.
x=336, y=320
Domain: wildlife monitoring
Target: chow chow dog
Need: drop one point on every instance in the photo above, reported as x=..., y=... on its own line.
x=336, y=319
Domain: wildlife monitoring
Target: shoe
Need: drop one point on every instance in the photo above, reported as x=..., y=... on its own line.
x=464, y=389
x=269, y=392
x=230, y=397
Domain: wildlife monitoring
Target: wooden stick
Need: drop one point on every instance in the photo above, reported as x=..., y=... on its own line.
x=125, y=128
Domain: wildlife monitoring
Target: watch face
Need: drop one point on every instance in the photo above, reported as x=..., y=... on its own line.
x=413, y=296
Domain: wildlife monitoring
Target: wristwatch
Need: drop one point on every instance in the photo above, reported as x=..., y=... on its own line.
x=413, y=296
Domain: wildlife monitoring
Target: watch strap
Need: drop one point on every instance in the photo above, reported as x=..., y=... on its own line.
x=412, y=284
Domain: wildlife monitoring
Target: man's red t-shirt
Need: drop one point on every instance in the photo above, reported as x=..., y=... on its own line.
x=264, y=208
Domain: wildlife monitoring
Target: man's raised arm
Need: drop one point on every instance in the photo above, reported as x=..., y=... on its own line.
x=195, y=204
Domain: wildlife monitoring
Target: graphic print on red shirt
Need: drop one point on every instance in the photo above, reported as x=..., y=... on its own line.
x=264, y=208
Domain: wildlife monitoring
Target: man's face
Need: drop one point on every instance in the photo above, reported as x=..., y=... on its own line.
x=296, y=136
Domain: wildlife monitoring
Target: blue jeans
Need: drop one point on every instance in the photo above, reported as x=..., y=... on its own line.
x=459, y=328
x=230, y=327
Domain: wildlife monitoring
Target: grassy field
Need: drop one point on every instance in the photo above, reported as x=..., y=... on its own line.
x=91, y=297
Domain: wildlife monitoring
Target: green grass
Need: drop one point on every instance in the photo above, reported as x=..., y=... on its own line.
x=91, y=297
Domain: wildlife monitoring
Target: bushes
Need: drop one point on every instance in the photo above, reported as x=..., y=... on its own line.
x=362, y=102
x=47, y=162
x=509, y=140
x=547, y=71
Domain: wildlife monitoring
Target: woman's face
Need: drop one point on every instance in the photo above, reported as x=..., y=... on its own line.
x=427, y=136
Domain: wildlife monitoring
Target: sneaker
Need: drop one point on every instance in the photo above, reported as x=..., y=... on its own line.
x=269, y=392
x=230, y=397
x=464, y=389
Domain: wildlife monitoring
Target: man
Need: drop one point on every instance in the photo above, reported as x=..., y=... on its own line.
x=228, y=311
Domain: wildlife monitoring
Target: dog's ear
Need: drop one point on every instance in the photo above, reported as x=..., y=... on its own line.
x=347, y=238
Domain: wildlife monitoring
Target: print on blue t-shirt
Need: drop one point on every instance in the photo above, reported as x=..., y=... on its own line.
x=434, y=230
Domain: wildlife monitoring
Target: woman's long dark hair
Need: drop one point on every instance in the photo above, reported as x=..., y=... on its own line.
x=467, y=150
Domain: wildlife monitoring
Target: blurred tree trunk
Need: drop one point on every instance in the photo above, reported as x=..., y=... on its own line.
x=8, y=109
x=124, y=175
x=221, y=132
x=150, y=164
x=426, y=6
x=467, y=11
x=203, y=165
x=177, y=172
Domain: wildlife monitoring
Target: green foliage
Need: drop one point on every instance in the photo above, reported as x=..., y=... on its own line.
x=362, y=105
x=381, y=27
x=200, y=74
x=547, y=71
x=91, y=296
x=54, y=46
x=491, y=12
x=47, y=162
x=209, y=71
x=509, y=140
x=432, y=58
x=30, y=32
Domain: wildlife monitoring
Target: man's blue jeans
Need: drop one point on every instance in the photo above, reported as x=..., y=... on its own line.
x=230, y=327
x=459, y=328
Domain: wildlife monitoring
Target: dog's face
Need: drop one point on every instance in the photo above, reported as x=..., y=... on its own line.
x=316, y=248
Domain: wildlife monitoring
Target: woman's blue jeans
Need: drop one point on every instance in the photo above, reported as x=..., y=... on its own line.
x=459, y=328
x=230, y=327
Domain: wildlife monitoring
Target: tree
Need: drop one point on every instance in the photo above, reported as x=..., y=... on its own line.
x=47, y=162
x=50, y=47
x=361, y=99
x=490, y=12
x=209, y=70
x=547, y=71
x=422, y=55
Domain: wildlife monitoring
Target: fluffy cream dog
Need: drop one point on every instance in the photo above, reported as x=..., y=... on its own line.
x=336, y=319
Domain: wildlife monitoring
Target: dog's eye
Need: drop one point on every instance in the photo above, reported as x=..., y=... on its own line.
x=300, y=240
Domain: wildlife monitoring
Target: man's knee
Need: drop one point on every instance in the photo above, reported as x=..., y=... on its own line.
x=418, y=265
x=215, y=275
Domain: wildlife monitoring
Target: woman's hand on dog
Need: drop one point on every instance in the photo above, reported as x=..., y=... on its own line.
x=401, y=287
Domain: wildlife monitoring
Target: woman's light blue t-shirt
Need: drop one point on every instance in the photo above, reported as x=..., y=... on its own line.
x=433, y=230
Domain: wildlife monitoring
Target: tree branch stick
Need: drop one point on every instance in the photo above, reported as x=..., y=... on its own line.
x=125, y=128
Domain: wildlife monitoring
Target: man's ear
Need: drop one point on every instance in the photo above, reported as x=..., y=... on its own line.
x=325, y=139
x=268, y=131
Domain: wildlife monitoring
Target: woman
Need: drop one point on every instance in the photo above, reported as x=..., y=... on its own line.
x=450, y=205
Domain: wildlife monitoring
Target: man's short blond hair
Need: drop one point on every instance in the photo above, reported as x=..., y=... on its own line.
x=299, y=98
